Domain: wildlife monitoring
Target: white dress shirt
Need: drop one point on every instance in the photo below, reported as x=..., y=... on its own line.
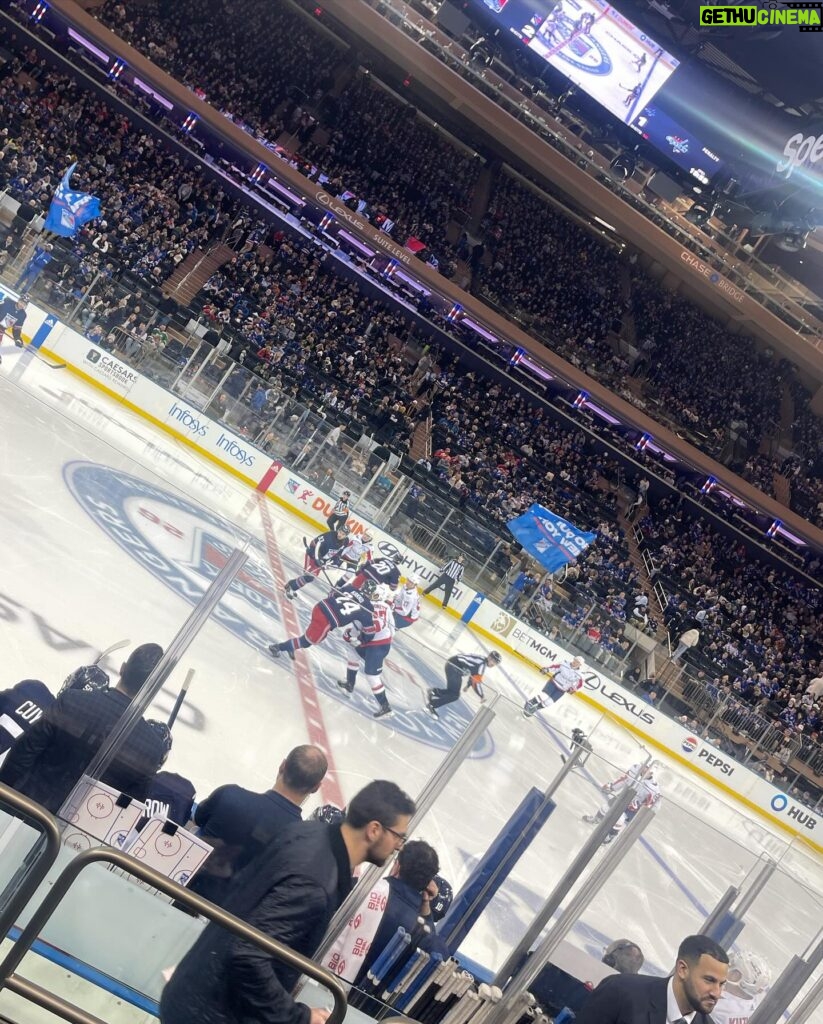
x=673, y=1013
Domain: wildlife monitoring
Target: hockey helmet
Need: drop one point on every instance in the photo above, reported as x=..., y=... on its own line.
x=412, y=583
x=398, y=558
x=345, y=494
x=331, y=814
x=88, y=677
x=749, y=972
x=578, y=736
x=383, y=594
x=342, y=529
x=442, y=901
x=494, y=658
x=369, y=589
x=366, y=537
x=164, y=733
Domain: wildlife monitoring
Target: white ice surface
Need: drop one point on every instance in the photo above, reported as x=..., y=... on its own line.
x=69, y=587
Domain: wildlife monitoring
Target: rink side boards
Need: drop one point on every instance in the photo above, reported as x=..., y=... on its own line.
x=234, y=454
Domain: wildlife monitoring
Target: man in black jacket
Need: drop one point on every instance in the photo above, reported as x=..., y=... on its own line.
x=238, y=823
x=50, y=757
x=290, y=892
x=686, y=997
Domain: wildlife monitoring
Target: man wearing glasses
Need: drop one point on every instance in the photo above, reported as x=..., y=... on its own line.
x=290, y=891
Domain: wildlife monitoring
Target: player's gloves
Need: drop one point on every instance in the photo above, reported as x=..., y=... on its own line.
x=348, y=636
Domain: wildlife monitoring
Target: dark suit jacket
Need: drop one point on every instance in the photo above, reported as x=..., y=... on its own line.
x=629, y=999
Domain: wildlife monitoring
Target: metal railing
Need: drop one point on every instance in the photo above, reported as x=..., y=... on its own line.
x=191, y=901
x=26, y=880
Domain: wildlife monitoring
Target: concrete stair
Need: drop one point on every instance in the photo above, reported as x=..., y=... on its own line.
x=421, y=442
x=190, y=276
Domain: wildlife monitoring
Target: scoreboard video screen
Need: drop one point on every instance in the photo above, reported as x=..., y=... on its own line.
x=593, y=45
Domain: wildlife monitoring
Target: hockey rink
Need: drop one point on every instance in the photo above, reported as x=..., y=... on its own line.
x=112, y=530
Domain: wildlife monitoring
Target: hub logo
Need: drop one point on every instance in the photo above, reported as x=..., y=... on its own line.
x=800, y=815
x=184, y=546
x=690, y=744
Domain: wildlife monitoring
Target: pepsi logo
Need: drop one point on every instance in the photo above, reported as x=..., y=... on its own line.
x=690, y=744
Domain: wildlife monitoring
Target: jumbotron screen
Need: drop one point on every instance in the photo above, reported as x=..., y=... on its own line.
x=592, y=44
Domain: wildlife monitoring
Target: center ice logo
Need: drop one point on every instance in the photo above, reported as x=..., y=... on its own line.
x=184, y=546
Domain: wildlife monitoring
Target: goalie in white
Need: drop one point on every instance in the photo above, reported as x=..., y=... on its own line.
x=747, y=984
x=371, y=651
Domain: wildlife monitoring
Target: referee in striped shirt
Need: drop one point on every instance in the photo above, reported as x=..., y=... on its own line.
x=340, y=512
x=450, y=574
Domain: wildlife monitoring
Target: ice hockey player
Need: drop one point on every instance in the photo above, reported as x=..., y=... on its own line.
x=407, y=604
x=458, y=668
x=563, y=677
x=337, y=610
x=20, y=706
x=641, y=776
x=746, y=986
x=371, y=649
x=321, y=551
x=383, y=571
x=340, y=512
x=358, y=548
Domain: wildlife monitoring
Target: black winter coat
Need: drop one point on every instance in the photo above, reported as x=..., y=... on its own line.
x=290, y=892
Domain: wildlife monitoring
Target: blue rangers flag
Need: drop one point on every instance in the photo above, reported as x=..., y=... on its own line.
x=548, y=538
x=69, y=210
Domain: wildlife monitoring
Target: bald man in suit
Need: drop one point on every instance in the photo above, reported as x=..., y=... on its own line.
x=688, y=996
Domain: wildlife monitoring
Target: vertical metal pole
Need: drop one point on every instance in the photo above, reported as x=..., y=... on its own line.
x=584, y=895
x=85, y=296
x=809, y=1003
x=373, y=481
x=182, y=373
x=188, y=631
x=721, y=908
x=439, y=529
x=430, y=792
x=581, y=861
x=787, y=986
x=759, y=883
x=206, y=360
x=218, y=387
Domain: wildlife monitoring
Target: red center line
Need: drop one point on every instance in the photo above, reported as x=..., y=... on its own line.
x=330, y=788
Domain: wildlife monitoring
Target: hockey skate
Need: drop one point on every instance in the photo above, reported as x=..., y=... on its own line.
x=381, y=711
x=288, y=593
x=429, y=706
x=531, y=707
x=592, y=819
x=347, y=688
x=275, y=651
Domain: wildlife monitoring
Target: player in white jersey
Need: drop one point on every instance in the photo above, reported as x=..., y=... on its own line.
x=407, y=604
x=746, y=987
x=370, y=651
x=563, y=677
x=643, y=778
x=358, y=549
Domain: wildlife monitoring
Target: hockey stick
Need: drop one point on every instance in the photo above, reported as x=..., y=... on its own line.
x=110, y=650
x=181, y=697
x=51, y=366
